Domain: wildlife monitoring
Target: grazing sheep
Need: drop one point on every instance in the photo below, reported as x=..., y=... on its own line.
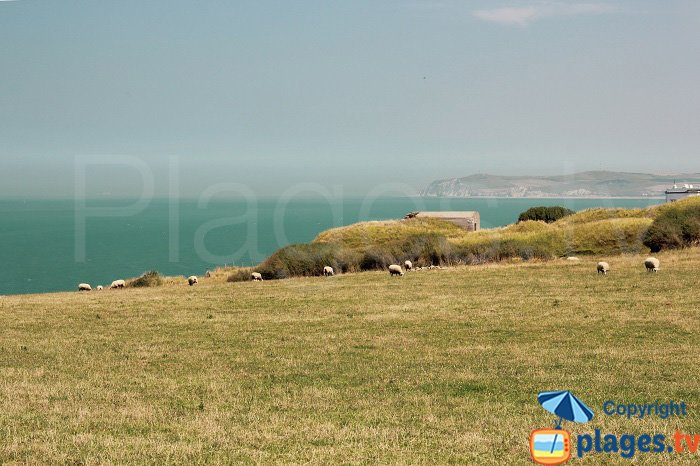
x=408, y=265
x=328, y=271
x=118, y=284
x=100, y=287
x=256, y=277
x=192, y=280
x=84, y=287
x=395, y=270
x=652, y=264
x=603, y=267
x=208, y=274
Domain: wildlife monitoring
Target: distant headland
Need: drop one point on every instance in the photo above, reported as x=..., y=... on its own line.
x=590, y=184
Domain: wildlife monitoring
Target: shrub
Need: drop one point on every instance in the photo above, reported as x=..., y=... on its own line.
x=302, y=260
x=148, y=279
x=545, y=213
x=240, y=275
x=523, y=246
x=676, y=226
x=427, y=249
x=377, y=258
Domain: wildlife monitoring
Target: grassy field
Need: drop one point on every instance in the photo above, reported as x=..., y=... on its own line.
x=435, y=367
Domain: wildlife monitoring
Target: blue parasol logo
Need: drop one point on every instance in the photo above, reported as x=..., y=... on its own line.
x=553, y=446
x=565, y=405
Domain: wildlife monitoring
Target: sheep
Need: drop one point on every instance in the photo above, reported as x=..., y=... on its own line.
x=328, y=271
x=208, y=274
x=118, y=284
x=84, y=287
x=573, y=259
x=652, y=264
x=192, y=280
x=395, y=270
x=100, y=288
x=408, y=265
x=603, y=267
x=256, y=277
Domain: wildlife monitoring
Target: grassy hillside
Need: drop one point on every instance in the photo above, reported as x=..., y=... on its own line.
x=435, y=367
x=424, y=241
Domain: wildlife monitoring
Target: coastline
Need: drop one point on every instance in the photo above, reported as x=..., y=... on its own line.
x=136, y=244
x=656, y=198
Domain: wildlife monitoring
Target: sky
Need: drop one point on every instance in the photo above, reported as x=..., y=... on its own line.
x=347, y=95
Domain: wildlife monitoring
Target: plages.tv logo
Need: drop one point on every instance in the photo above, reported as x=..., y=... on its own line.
x=553, y=446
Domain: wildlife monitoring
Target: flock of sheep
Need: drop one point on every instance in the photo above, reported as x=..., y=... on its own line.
x=651, y=263
x=115, y=284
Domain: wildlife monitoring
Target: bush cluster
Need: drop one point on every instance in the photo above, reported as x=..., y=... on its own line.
x=148, y=279
x=545, y=213
x=676, y=226
x=240, y=275
x=306, y=260
x=422, y=250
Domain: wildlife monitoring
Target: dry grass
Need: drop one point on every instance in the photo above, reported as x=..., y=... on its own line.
x=381, y=232
x=434, y=367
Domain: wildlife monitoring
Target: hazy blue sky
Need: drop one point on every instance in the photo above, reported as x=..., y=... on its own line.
x=273, y=93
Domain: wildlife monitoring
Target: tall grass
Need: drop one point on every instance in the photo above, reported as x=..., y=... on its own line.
x=148, y=279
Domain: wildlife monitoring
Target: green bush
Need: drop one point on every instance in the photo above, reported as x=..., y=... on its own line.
x=305, y=260
x=239, y=275
x=545, y=213
x=505, y=248
x=426, y=249
x=377, y=258
x=676, y=226
x=148, y=279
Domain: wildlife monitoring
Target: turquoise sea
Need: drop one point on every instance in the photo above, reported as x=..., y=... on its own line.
x=52, y=245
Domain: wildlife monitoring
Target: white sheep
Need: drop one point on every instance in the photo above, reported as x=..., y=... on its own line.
x=118, y=284
x=328, y=271
x=395, y=270
x=84, y=287
x=652, y=264
x=256, y=277
x=408, y=265
x=603, y=267
x=100, y=287
x=192, y=280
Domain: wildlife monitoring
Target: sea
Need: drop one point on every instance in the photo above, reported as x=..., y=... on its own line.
x=52, y=245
